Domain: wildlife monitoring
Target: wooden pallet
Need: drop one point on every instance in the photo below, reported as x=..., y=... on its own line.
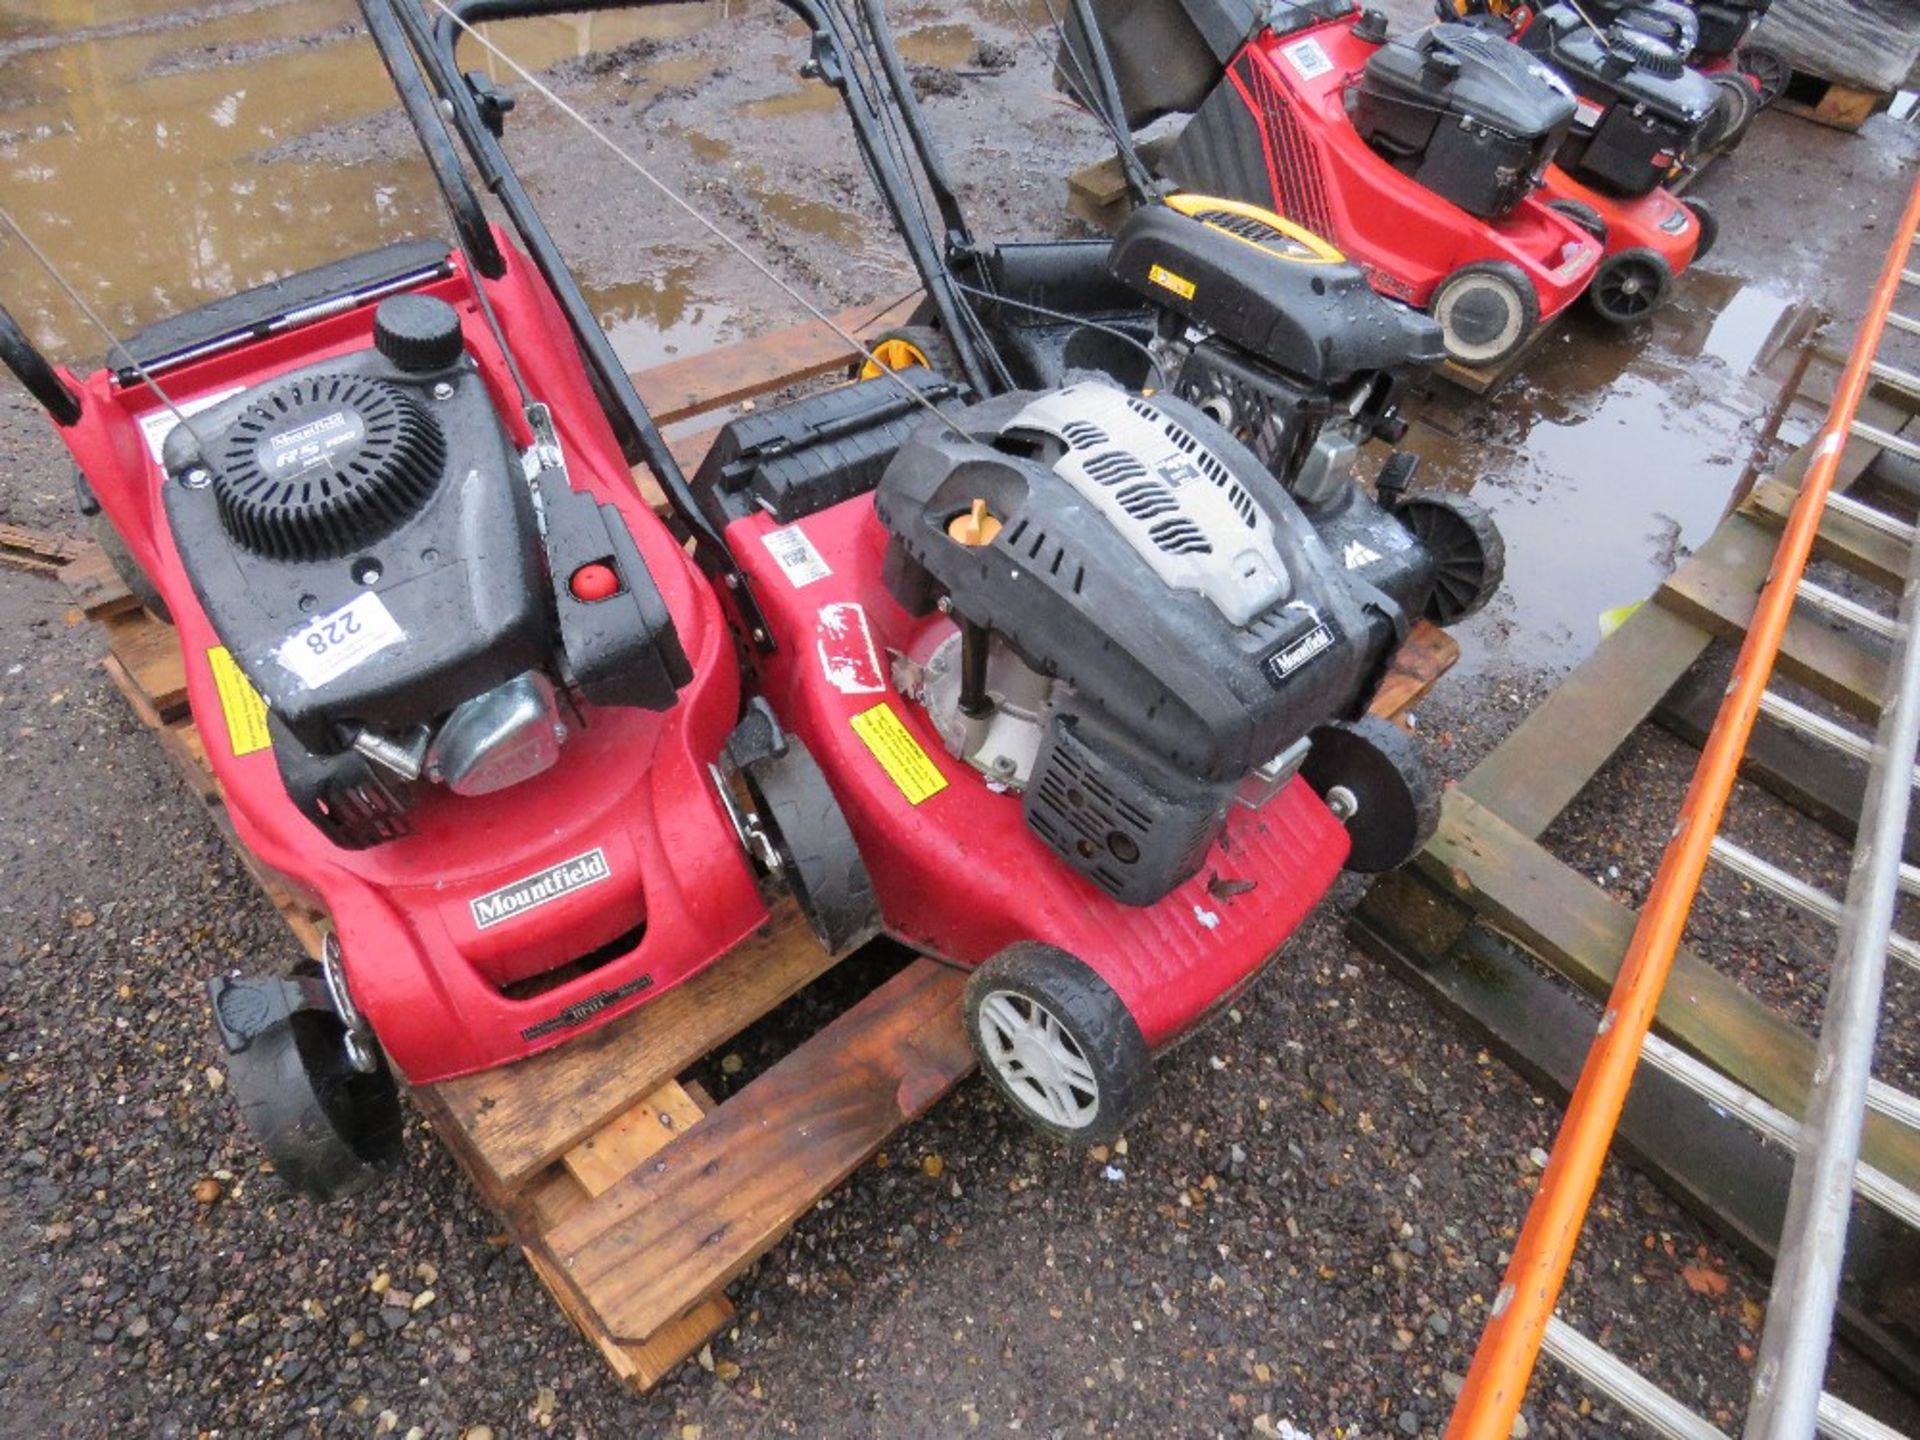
x=1830, y=103
x=632, y=1195
x=1475, y=917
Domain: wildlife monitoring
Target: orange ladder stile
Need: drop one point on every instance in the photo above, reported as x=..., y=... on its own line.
x=1510, y=1344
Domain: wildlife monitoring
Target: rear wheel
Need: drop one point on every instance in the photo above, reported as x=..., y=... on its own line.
x=909, y=347
x=138, y=584
x=818, y=856
x=1583, y=215
x=1058, y=1044
x=327, y=1127
x=1735, y=105
x=1370, y=773
x=1709, y=224
x=1486, y=311
x=1629, y=285
x=1469, y=555
x=1771, y=73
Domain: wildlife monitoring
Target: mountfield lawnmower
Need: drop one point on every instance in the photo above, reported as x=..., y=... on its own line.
x=1085, y=682
x=1420, y=158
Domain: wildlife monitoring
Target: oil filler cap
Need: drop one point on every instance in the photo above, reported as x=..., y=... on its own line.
x=417, y=333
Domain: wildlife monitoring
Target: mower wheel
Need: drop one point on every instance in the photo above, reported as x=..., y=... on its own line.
x=1770, y=71
x=1058, y=1043
x=1371, y=774
x=326, y=1126
x=138, y=584
x=1709, y=224
x=1735, y=105
x=1486, y=311
x=909, y=347
x=1583, y=215
x=1629, y=285
x=1469, y=555
x=818, y=856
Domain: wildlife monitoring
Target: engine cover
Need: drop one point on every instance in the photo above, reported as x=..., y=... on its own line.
x=1192, y=621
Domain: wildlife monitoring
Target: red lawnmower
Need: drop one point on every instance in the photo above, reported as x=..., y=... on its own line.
x=1421, y=158
x=1061, y=683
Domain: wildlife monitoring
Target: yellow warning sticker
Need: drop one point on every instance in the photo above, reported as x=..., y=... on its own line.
x=899, y=754
x=246, y=712
x=1167, y=280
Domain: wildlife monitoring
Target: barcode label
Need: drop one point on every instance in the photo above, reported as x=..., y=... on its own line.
x=793, y=552
x=1307, y=58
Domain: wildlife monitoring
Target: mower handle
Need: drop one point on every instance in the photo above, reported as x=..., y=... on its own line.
x=36, y=372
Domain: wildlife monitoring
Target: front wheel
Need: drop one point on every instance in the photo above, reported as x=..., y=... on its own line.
x=1469, y=555
x=1709, y=224
x=1629, y=286
x=1486, y=311
x=1058, y=1044
x=909, y=347
x=1371, y=775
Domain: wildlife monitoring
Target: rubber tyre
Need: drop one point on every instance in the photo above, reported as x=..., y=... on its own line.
x=1398, y=800
x=1470, y=555
x=1629, y=285
x=1583, y=215
x=138, y=584
x=911, y=347
x=1769, y=70
x=1088, y=1010
x=818, y=854
x=1709, y=224
x=1486, y=310
x=327, y=1128
x=1735, y=105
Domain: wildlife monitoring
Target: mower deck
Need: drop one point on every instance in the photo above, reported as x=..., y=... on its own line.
x=635, y=1198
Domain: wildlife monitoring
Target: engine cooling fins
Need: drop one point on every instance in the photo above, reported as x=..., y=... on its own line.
x=325, y=465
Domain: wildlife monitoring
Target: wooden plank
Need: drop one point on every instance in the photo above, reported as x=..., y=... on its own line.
x=37, y=552
x=1485, y=379
x=521, y=1117
x=1813, y=778
x=1840, y=107
x=729, y=374
x=1579, y=931
x=1718, y=589
x=711, y=1203
x=1549, y=758
x=1097, y=194
x=1424, y=656
x=96, y=587
x=1715, y=1166
x=647, y=1363
x=149, y=651
x=1871, y=554
x=624, y=1141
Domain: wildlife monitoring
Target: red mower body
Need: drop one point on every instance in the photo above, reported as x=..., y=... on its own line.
x=1656, y=221
x=509, y=922
x=957, y=871
x=1319, y=172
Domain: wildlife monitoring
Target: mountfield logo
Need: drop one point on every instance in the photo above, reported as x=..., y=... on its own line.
x=537, y=889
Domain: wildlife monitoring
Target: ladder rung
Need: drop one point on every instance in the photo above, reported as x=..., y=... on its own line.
x=1852, y=611
x=1896, y=1105
x=1885, y=439
x=1774, y=1123
x=1903, y=322
x=1666, y=1416
x=1869, y=515
x=1797, y=892
x=1893, y=375
x=1817, y=727
x=1910, y=277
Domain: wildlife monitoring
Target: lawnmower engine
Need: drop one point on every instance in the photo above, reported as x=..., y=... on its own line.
x=1149, y=627
x=413, y=601
x=1639, y=110
x=1463, y=113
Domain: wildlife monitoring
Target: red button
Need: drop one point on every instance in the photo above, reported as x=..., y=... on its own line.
x=594, y=582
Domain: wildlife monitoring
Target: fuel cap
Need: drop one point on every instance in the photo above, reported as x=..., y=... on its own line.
x=417, y=333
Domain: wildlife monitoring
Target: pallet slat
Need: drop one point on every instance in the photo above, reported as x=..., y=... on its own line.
x=715, y=1200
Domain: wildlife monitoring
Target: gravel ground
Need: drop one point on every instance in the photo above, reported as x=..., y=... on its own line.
x=1299, y=1239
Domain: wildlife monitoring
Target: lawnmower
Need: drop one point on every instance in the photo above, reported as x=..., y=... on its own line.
x=1420, y=158
x=1099, y=734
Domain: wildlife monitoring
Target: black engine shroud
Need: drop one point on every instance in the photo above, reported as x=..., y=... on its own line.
x=362, y=534
x=1198, y=621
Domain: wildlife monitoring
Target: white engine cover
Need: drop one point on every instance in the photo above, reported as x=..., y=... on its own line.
x=1178, y=506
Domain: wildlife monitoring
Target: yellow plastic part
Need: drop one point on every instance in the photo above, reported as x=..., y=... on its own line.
x=1319, y=251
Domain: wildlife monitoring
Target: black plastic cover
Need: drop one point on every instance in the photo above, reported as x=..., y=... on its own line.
x=1166, y=54
x=1321, y=323
x=1468, y=115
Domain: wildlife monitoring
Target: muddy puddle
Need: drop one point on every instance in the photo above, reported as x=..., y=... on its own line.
x=165, y=159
